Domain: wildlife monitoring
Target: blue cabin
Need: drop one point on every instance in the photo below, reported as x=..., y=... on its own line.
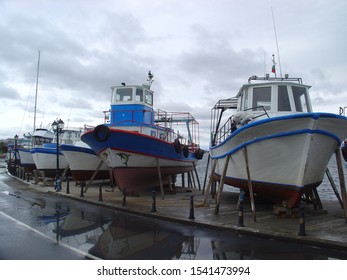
x=131, y=106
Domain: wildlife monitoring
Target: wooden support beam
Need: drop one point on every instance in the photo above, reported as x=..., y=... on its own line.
x=206, y=171
x=250, y=187
x=331, y=180
x=221, y=183
x=196, y=175
x=160, y=179
x=93, y=176
x=207, y=191
x=342, y=181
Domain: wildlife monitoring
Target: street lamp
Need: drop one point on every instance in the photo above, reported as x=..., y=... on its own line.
x=57, y=127
x=15, y=154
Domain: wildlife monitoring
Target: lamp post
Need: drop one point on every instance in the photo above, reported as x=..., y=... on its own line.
x=15, y=154
x=57, y=127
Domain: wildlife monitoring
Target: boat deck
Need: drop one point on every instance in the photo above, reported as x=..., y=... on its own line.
x=326, y=229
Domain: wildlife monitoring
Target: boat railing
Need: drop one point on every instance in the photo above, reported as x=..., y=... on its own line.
x=236, y=121
x=176, y=120
x=279, y=79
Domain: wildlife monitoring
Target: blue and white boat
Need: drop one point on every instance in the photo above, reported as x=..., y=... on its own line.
x=45, y=157
x=269, y=136
x=40, y=137
x=84, y=163
x=140, y=144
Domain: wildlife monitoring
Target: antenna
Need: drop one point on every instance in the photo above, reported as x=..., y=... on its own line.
x=278, y=52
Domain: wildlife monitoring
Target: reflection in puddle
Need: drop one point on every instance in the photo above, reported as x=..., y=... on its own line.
x=113, y=235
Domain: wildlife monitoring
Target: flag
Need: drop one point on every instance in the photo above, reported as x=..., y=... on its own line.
x=273, y=69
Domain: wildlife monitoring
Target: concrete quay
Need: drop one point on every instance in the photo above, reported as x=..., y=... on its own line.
x=325, y=229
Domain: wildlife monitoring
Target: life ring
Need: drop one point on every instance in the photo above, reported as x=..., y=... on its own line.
x=177, y=145
x=101, y=133
x=185, y=151
x=199, y=153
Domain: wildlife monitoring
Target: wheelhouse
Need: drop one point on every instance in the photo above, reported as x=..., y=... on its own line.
x=278, y=97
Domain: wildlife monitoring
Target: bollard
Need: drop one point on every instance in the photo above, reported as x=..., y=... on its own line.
x=28, y=177
x=191, y=214
x=100, y=192
x=124, y=202
x=301, y=222
x=154, y=208
x=240, y=223
x=240, y=206
x=82, y=185
x=67, y=185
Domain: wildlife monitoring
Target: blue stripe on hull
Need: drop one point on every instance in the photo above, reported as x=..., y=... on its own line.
x=136, y=143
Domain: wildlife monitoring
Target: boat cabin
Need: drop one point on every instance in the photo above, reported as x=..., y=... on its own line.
x=276, y=96
x=131, y=105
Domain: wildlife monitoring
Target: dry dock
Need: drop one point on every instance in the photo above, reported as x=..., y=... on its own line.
x=326, y=229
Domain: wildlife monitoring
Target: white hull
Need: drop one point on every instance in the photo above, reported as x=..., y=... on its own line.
x=26, y=159
x=48, y=162
x=284, y=155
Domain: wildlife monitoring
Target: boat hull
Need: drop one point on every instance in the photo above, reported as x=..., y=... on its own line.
x=286, y=156
x=45, y=159
x=136, y=158
x=26, y=159
x=83, y=163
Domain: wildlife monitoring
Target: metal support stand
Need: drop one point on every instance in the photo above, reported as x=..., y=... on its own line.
x=191, y=212
x=154, y=208
x=67, y=185
x=100, y=192
x=124, y=201
x=302, y=222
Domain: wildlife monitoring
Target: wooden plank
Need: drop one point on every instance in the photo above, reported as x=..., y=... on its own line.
x=250, y=187
x=221, y=184
x=342, y=181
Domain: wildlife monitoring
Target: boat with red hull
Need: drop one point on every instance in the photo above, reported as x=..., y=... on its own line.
x=140, y=144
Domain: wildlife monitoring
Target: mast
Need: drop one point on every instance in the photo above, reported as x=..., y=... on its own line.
x=37, y=84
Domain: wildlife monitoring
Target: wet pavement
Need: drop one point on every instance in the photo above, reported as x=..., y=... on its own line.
x=323, y=229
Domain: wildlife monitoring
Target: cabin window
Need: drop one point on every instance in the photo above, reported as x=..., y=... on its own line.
x=283, y=99
x=148, y=98
x=139, y=95
x=244, y=100
x=261, y=97
x=153, y=133
x=300, y=98
x=124, y=94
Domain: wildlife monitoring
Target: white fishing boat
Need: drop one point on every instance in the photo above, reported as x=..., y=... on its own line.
x=141, y=145
x=268, y=137
x=83, y=162
x=45, y=157
x=40, y=136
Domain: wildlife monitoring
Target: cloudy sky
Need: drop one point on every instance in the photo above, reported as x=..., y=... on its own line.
x=198, y=50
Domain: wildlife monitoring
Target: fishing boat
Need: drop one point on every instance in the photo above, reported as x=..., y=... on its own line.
x=45, y=157
x=140, y=144
x=83, y=162
x=40, y=137
x=268, y=141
